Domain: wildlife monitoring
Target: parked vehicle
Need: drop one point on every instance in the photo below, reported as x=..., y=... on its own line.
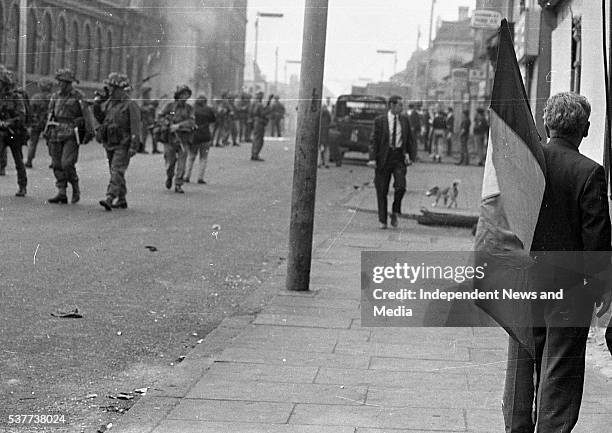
x=353, y=123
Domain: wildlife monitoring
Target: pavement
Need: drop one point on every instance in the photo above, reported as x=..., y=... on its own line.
x=304, y=364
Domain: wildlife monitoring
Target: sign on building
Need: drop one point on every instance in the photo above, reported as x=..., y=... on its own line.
x=527, y=35
x=486, y=19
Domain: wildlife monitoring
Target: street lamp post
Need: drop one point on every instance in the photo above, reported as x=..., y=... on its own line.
x=262, y=15
x=394, y=52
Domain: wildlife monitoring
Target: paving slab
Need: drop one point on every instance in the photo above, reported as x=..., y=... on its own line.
x=300, y=358
x=180, y=426
x=405, y=351
x=241, y=411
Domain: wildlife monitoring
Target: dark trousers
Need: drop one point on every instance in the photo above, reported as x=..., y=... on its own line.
x=34, y=139
x=249, y=131
x=465, y=155
x=396, y=167
x=242, y=130
x=258, y=139
x=275, y=128
x=558, y=369
x=17, y=152
x=118, y=161
x=64, y=156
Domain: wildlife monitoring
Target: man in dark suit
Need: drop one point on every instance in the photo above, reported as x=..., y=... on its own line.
x=393, y=148
x=571, y=244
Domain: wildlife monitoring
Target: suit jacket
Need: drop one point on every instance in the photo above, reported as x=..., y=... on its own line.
x=574, y=215
x=381, y=144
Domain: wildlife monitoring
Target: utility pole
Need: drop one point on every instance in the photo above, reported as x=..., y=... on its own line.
x=276, y=71
x=306, y=148
x=23, y=40
x=428, y=67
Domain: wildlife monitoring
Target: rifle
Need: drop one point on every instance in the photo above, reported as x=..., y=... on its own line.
x=50, y=122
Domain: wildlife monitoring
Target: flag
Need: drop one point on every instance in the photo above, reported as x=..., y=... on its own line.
x=512, y=193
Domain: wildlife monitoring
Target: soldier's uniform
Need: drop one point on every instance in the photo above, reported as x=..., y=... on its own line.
x=181, y=120
x=62, y=133
x=39, y=104
x=277, y=114
x=260, y=114
x=242, y=113
x=148, y=110
x=119, y=132
x=13, y=133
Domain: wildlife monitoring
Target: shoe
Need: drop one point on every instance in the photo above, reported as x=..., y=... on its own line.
x=201, y=181
x=179, y=189
x=393, y=220
x=155, y=151
x=143, y=151
x=236, y=144
x=59, y=199
x=76, y=194
x=383, y=226
x=28, y=164
x=50, y=165
x=21, y=192
x=2, y=172
x=120, y=204
x=257, y=158
x=168, y=182
x=186, y=180
x=107, y=203
x=481, y=163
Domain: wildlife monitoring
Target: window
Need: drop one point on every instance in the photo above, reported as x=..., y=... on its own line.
x=61, y=43
x=109, y=53
x=47, y=45
x=99, y=55
x=75, y=47
x=32, y=42
x=87, y=53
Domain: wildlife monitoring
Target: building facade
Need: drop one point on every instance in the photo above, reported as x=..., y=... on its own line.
x=199, y=42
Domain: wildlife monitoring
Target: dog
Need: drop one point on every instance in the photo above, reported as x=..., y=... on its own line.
x=448, y=194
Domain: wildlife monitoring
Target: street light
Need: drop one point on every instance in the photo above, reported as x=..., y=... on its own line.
x=394, y=58
x=262, y=15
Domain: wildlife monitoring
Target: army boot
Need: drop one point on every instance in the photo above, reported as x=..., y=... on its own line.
x=21, y=192
x=60, y=198
x=107, y=203
x=76, y=193
x=121, y=203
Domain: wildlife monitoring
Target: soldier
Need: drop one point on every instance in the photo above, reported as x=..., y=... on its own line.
x=147, y=116
x=64, y=120
x=13, y=133
x=260, y=114
x=119, y=132
x=242, y=113
x=233, y=119
x=39, y=105
x=204, y=116
x=221, y=113
x=181, y=125
x=277, y=114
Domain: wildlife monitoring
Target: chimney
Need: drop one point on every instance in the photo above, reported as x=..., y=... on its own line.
x=463, y=13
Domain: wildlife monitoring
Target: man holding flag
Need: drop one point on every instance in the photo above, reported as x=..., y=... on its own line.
x=542, y=201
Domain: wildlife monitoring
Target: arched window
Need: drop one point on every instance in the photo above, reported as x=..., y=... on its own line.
x=12, y=43
x=2, y=29
x=32, y=42
x=47, y=45
x=108, y=64
x=75, y=48
x=99, y=55
x=61, y=43
x=87, y=53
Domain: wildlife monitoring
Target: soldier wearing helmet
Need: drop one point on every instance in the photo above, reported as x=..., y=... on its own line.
x=13, y=133
x=180, y=118
x=39, y=103
x=65, y=118
x=119, y=132
x=260, y=114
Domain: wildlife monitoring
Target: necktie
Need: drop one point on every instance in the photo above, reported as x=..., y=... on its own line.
x=393, y=140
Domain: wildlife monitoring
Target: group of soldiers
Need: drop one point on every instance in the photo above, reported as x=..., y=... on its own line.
x=66, y=119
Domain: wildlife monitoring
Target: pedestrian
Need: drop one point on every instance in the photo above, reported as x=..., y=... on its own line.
x=232, y=119
x=119, y=132
x=574, y=218
x=450, y=131
x=249, y=119
x=277, y=114
x=324, y=136
x=464, y=135
x=260, y=115
x=438, y=135
x=148, y=111
x=221, y=113
x=39, y=104
x=393, y=148
x=481, y=132
x=65, y=119
x=242, y=113
x=13, y=132
x=426, y=129
x=204, y=116
x=181, y=125
x=415, y=122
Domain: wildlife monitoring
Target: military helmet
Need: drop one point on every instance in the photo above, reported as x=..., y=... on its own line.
x=116, y=79
x=182, y=89
x=66, y=75
x=6, y=76
x=45, y=84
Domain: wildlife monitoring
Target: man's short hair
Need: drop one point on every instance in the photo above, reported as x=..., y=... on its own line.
x=567, y=113
x=393, y=100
